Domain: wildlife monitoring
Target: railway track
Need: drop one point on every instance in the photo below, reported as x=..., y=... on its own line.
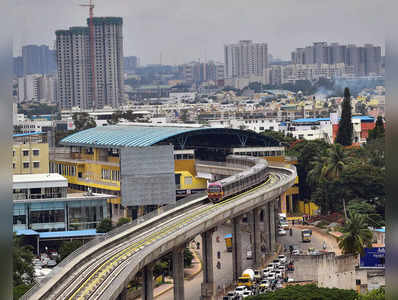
x=93, y=278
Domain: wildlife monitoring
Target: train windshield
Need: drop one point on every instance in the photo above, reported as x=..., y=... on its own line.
x=214, y=189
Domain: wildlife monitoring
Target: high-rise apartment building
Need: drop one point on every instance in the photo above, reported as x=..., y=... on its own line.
x=36, y=87
x=245, y=59
x=74, y=65
x=196, y=72
x=38, y=59
x=365, y=60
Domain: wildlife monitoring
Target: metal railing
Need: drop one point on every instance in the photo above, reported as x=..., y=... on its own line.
x=109, y=235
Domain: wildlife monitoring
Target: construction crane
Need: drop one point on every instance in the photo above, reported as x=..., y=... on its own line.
x=90, y=6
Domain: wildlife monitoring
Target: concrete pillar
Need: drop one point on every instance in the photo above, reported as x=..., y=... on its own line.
x=147, y=293
x=236, y=247
x=267, y=232
x=290, y=203
x=276, y=215
x=272, y=225
x=123, y=295
x=178, y=273
x=256, y=243
x=208, y=285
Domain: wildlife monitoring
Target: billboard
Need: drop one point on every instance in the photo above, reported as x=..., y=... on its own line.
x=147, y=176
x=373, y=257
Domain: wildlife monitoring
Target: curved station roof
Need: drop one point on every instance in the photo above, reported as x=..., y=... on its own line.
x=119, y=136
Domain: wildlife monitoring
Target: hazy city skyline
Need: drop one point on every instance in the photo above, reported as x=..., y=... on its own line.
x=188, y=30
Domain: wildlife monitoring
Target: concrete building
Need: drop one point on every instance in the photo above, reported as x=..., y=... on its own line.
x=245, y=58
x=30, y=154
x=36, y=87
x=74, y=82
x=38, y=60
x=41, y=203
x=130, y=63
x=18, y=66
x=364, y=60
x=196, y=72
x=277, y=75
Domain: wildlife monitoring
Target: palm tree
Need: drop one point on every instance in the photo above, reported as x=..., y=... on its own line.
x=356, y=235
x=337, y=160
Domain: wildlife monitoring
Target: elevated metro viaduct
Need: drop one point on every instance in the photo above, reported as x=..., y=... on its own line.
x=103, y=268
x=119, y=159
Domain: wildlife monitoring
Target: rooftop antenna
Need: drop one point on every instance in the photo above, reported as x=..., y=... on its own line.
x=90, y=6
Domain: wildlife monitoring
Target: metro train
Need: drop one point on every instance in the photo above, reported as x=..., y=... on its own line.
x=245, y=180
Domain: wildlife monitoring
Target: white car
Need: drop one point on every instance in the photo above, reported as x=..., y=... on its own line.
x=282, y=232
x=247, y=294
x=276, y=263
x=296, y=252
x=239, y=290
x=265, y=283
x=278, y=274
x=265, y=273
x=289, y=279
x=284, y=225
x=249, y=254
x=271, y=276
x=282, y=259
x=282, y=268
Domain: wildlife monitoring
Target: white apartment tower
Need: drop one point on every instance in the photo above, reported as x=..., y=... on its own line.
x=245, y=59
x=74, y=68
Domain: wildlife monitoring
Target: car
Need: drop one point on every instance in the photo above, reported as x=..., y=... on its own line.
x=282, y=268
x=279, y=285
x=282, y=259
x=265, y=273
x=240, y=289
x=289, y=279
x=249, y=254
x=271, y=276
x=265, y=282
x=284, y=225
x=296, y=252
x=276, y=263
x=51, y=263
x=258, y=275
x=278, y=274
x=282, y=232
x=247, y=294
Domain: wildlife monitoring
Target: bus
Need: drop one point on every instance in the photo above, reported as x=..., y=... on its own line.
x=306, y=235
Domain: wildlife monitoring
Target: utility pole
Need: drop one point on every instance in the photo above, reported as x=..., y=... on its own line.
x=90, y=6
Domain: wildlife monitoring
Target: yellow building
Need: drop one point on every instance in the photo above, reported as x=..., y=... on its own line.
x=30, y=154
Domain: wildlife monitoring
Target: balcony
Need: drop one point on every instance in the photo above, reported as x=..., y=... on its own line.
x=23, y=196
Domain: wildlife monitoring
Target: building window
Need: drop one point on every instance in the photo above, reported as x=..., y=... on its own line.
x=35, y=152
x=25, y=165
x=13, y=153
x=13, y=165
x=25, y=152
x=36, y=164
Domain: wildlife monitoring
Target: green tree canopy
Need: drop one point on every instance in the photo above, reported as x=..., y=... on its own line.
x=22, y=263
x=105, y=225
x=307, y=292
x=82, y=121
x=122, y=221
x=378, y=131
x=356, y=235
x=344, y=134
x=68, y=247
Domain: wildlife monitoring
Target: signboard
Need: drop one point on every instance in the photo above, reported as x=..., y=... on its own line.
x=373, y=257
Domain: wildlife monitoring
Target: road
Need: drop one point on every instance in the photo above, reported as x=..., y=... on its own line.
x=223, y=276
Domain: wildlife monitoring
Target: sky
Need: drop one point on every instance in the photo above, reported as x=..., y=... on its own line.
x=180, y=31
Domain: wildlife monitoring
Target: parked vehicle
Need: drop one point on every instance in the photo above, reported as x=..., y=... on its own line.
x=249, y=254
x=271, y=276
x=296, y=252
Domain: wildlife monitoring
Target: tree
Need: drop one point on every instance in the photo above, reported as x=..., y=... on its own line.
x=344, y=134
x=83, y=121
x=22, y=263
x=376, y=294
x=122, y=221
x=105, y=225
x=68, y=247
x=378, y=131
x=307, y=292
x=356, y=235
x=188, y=257
x=184, y=115
x=115, y=118
x=362, y=207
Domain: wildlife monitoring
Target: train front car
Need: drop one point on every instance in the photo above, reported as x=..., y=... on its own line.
x=215, y=192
